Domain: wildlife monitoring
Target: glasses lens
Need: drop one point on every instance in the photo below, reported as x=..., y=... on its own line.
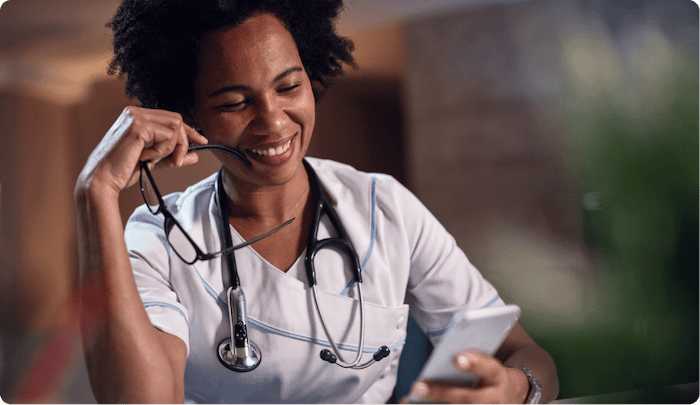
x=181, y=243
x=149, y=194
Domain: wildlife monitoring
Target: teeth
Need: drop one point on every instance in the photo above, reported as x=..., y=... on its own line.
x=273, y=151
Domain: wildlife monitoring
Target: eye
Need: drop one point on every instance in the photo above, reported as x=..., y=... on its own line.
x=289, y=88
x=233, y=106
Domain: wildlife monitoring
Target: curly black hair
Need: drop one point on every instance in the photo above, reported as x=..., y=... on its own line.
x=156, y=42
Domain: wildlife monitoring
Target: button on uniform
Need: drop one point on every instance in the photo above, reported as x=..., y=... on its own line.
x=400, y=323
x=386, y=372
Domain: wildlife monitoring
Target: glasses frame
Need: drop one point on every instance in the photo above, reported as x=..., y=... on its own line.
x=169, y=222
x=169, y=219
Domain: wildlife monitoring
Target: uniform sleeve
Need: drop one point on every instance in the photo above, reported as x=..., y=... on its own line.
x=442, y=280
x=149, y=253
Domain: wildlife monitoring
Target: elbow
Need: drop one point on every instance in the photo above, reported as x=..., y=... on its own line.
x=555, y=387
x=551, y=385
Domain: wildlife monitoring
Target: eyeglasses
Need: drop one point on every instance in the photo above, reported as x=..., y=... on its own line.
x=179, y=240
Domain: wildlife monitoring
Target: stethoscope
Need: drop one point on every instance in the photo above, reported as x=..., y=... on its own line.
x=244, y=355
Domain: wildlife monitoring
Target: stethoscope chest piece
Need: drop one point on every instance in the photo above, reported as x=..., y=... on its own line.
x=235, y=361
x=237, y=352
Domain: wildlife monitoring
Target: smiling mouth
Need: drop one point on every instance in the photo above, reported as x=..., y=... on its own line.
x=273, y=151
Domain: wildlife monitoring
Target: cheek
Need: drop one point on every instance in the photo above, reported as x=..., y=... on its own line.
x=309, y=112
x=311, y=119
x=226, y=128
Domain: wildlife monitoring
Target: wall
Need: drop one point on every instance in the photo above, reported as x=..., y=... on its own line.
x=478, y=154
x=517, y=111
x=39, y=261
x=465, y=107
x=47, y=139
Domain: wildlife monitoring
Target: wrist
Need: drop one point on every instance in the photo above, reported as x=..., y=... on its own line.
x=90, y=188
x=533, y=390
x=520, y=384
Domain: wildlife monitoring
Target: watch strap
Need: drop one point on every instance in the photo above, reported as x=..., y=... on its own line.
x=535, y=393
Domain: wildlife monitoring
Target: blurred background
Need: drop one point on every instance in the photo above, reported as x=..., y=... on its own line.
x=557, y=140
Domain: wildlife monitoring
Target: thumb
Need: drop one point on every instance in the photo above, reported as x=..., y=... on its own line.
x=486, y=367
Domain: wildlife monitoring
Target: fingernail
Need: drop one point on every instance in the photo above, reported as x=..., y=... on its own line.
x=419, y=392
x=462, y=361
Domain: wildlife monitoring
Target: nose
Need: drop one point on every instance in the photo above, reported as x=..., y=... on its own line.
x=270, y=118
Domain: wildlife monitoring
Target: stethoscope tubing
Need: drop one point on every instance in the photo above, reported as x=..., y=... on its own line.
x=341, y=243
x=341, y=360
x=222, y=148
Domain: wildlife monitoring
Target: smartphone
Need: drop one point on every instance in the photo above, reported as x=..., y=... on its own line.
x=481, y=329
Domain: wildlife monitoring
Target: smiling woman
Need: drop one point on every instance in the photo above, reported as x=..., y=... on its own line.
x=246, y=75
x=252, y=93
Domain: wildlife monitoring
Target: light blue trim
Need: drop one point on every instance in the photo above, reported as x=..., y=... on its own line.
x=166, y=305
x=320, y=342
x=454, y=321
x=372, y=232
x=493, y=300
x=373, y=223
x=210, y=290
x=224, y=306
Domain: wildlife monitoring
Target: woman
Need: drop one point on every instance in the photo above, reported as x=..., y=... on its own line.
x=244, y=75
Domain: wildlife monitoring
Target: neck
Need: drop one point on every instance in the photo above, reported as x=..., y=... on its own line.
x=276, y=203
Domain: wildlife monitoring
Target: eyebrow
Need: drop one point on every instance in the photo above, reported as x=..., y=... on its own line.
x=243, y=88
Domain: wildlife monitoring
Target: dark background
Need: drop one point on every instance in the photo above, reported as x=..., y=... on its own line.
x=556, y=140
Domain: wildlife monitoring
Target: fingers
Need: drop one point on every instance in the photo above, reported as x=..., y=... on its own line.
x=194, y=136
x=435, y=393
x=188, y=136
x=181, y=145
x=486, y=367
x=165, y=137
x=188, y=159
x=428, y=392
x=138, y=134
x=492, y=386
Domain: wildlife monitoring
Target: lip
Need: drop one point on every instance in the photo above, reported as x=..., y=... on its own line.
x=273, y=160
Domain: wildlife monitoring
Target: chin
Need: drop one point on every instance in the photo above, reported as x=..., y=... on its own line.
x=266, y=175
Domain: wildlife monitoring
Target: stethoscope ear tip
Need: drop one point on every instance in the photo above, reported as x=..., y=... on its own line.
x=326, y=355
x=381, y=353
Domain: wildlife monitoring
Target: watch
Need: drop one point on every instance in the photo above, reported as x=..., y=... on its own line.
x=535, y=393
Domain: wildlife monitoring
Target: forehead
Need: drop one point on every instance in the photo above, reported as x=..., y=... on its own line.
x=260, y=47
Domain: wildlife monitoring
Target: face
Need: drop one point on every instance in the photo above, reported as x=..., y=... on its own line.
x=253, y=94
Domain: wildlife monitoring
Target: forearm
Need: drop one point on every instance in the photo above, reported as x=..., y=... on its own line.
x=125, y=358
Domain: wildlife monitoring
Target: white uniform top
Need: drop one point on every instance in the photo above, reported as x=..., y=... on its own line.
x=408, y=260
